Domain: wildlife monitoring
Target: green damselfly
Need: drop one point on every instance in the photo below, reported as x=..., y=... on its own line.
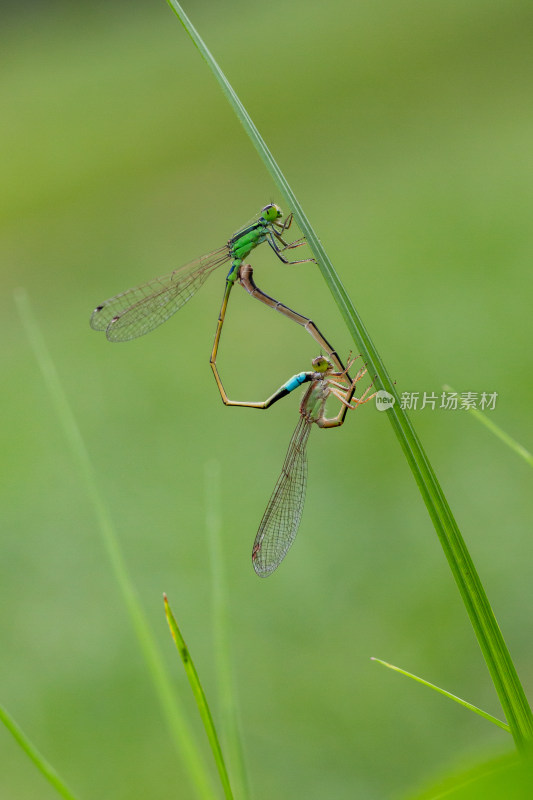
x=281, y=519
x=139, y=310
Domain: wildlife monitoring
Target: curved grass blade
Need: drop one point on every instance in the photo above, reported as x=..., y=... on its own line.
x=201, y=700
x=281, y=519
x=181, y=732
x=459, y=700
x=139, y=310
x=31, y=751
x=483, y=621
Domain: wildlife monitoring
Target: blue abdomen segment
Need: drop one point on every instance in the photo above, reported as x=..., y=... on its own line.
x=290, y=386
x=296, y=381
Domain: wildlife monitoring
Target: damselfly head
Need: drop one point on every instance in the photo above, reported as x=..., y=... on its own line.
x=271, y=212
x=321, y=364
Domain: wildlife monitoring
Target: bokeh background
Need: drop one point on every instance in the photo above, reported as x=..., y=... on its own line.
x=405, y=130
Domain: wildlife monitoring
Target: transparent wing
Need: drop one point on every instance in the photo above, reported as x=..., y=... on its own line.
x=139, y=310
x=281, y=519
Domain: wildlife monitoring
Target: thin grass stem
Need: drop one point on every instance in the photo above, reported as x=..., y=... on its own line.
x=465, y=703
x=230, y=723
x=497, y=431
x=181, y=732
x=493, y=647
x=31, y=751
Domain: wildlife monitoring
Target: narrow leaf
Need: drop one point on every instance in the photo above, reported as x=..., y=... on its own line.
x=199, y=696
x=459, y=700
x=31, y=751
x=497, y=431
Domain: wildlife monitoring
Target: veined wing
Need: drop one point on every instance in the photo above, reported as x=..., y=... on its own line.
x=281, y=519
x=139, y=310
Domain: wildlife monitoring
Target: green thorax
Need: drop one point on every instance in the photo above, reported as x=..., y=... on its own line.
x=245, y=241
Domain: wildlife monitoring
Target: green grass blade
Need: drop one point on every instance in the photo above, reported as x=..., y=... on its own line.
x=182, y=733
x=230, y=724
x=497, y=431
x=199, y=696
x=459, y=700
x=31, y=751
x=493, y=647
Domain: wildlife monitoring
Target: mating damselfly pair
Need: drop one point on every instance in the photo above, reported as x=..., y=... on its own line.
x=143, y=308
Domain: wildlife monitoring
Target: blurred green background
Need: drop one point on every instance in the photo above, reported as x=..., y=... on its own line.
x=405, y=130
